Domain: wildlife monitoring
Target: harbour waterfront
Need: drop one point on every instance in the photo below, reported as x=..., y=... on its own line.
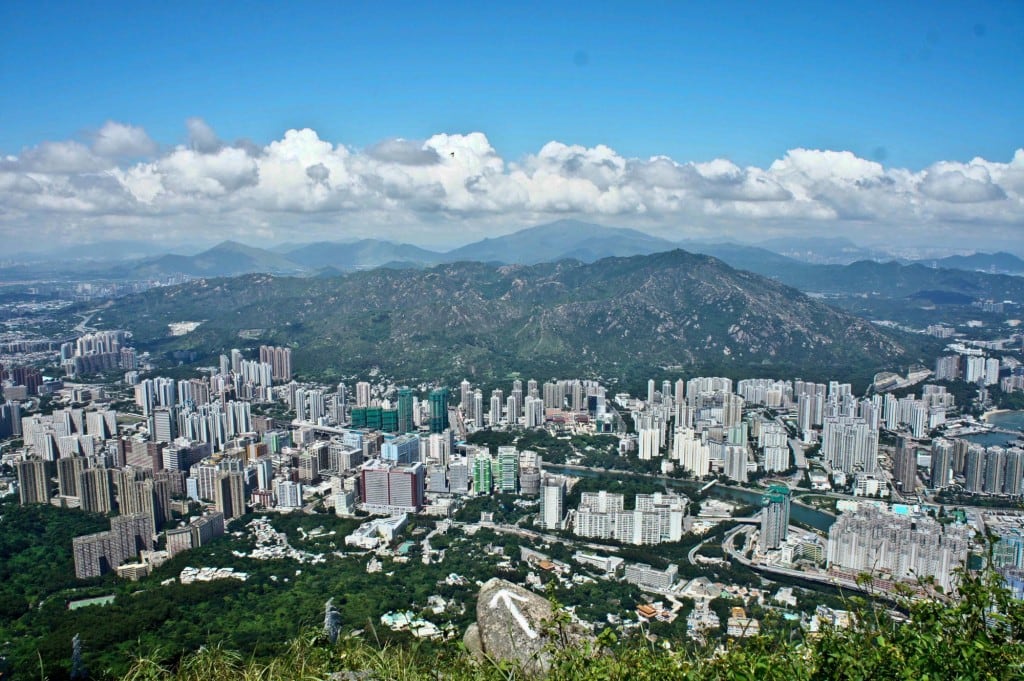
x=1006, y=420
x=1011, y=420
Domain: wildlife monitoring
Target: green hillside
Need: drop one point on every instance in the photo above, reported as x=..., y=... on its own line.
x=979, y=637
x=612, y=317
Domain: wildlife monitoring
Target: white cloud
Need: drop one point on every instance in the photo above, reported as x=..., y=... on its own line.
x=452, y=188
x=958, y=183
x=201, y=136
x=403, y=152
x=216, y=174
x=117, y=140
x=56, y=158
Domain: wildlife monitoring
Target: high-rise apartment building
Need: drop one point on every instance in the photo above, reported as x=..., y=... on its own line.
x=10, y=419
x=692, y=453
x=656, y=517
x=552, y=503
x=100, y=553
x=229, y=494
x=165, y=425
x=483, y=474
x=478, y=408
x=496, y=404
x=33, y=481
x=149, y=497
x=68, y=470
x=279, y=359
x=288, y=494
x=508, y=470
x=534, y=410
x=405, y=420
x=649, y=443
x=774, y=517
x=96, y=490
x=849, y=444
x=995, y=470
x=735, y=462
x=363, y=392
x=903, y=547
x=974, y=474
x=975, y=369
x=991, y=371
x=942, y=463
x=439, y=410
x=947, y=368
x=1013, y=479
x=904, y=466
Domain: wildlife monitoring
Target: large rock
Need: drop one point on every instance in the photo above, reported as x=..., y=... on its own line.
x=516, y=625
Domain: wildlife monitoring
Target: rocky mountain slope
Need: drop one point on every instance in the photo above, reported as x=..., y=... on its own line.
x=668, y=309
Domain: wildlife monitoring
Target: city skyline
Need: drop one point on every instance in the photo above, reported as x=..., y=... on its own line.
x=895, y=126
x=658, y=487
x=673, y=324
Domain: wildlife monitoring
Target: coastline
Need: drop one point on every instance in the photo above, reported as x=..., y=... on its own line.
x=984, y=417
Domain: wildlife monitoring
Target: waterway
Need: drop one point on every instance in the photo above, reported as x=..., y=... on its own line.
x=1010, y=420
x=808, y=516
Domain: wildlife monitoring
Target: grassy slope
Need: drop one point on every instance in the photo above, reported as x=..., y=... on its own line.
x=979, y=637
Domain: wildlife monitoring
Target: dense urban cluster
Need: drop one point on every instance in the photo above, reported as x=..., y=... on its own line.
x=194, y=449
x=787, y=479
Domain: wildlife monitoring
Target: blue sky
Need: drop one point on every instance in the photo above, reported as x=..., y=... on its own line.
x=905, y=84
x=910, y=83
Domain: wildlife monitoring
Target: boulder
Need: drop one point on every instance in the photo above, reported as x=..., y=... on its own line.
x=516, y=625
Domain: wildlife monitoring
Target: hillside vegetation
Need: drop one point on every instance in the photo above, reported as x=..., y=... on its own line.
x=480, y=321
x=979, y=637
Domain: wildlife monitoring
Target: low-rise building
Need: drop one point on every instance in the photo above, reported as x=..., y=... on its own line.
x=371, y=534
x=741, y=626
x=647, y=577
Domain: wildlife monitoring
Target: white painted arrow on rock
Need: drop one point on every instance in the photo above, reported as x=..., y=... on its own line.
x=506, y=596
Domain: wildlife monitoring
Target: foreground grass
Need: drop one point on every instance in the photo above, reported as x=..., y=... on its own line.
x=980, y=636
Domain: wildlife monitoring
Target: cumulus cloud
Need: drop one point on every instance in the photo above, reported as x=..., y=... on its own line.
x=201, y=136
x=971, y=184
x=119, y=140
x=56, y=158
x=455, y=187
x=403, y=152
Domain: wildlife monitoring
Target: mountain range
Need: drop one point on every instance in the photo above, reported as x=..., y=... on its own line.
x=823, y=250
x=614, y=317
x=971, y=276
x=588, y=243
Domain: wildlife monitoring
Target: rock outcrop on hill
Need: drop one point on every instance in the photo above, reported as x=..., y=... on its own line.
x=516, y=625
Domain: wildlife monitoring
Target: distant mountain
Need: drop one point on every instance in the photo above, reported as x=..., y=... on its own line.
x=616, y=317
x=360, y=255
x=995, y=263
x=105, y=251
x=560, y=240
x=752, y=258
x=226, y=259
x=959, y=276
x=823, y=250
x=893, y=280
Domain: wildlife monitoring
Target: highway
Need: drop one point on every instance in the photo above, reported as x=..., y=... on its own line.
x=729, y=548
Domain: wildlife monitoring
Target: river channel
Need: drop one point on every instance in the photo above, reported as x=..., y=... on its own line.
x=808, y=516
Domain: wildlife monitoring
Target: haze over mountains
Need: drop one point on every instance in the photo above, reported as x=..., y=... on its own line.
x=564, y=239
